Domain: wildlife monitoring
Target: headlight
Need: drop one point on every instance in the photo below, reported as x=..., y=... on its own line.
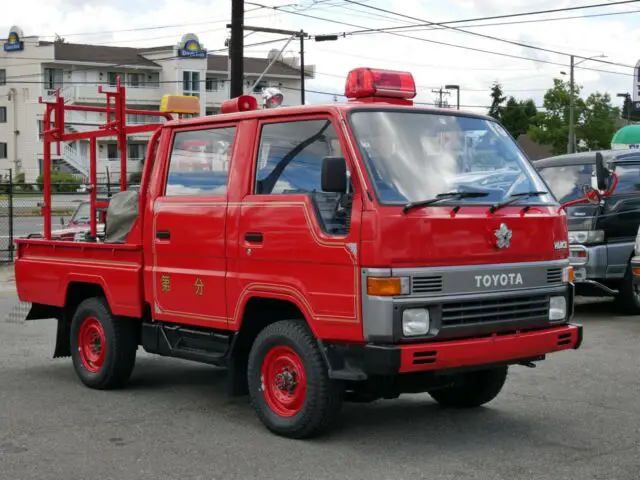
x=557, y=308
x=586, y=236
x=415, y=321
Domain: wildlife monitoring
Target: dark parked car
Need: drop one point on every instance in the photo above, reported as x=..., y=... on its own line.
x=601, y=235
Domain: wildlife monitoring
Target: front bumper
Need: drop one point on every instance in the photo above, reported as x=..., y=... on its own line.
x=358, y=362
x=597, y=267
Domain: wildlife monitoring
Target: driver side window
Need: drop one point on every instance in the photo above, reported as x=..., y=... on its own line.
x=290, y=162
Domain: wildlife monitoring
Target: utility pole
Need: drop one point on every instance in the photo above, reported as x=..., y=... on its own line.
x=236, y=48
x=302, y=77
x=441, y=93
x=293, y=34
x=457, y=89
x=571, y=141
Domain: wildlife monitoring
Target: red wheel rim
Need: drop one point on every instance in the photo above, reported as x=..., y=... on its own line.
x=283, y=381
x=92, y=344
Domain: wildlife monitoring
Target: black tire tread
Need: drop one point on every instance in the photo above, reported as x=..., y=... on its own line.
x=626, y=301
x=322, y=408
x=479, y=388
x=123, y=343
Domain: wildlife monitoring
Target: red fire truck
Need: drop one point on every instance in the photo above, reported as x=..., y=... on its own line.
x=323, y=253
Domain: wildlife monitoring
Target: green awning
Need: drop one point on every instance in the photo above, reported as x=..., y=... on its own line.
x=628, y=136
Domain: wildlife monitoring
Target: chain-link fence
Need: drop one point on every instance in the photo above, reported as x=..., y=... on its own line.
x=21, y=210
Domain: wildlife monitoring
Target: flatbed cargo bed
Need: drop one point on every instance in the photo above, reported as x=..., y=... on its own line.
x=46, y=269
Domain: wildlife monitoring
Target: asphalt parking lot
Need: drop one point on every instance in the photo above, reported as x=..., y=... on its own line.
x=576, y=416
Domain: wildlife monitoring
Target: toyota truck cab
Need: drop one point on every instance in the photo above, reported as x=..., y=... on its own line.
x=322, y=253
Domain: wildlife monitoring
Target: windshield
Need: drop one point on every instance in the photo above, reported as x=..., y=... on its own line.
x=83, y=212
x=416, y=155
x=566, y=181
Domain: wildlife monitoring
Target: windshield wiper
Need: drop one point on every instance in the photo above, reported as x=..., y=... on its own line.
x=515, y=198
x=440, y=197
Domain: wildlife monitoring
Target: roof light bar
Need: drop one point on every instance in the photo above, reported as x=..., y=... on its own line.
x=365, y=83
x=180, y=104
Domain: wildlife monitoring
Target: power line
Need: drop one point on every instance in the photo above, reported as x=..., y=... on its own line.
x=510, y=15
x=151, y=27
x=428, y=28
x=517, y=22
x=491, y=37
x=463, y=47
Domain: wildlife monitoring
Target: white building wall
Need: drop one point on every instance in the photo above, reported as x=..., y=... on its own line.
x=80, y=80
x=20, y=96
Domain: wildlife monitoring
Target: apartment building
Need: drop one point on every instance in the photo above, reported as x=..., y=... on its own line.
x=31, y=68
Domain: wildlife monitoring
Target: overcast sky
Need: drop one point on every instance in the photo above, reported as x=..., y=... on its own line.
x=433, y=65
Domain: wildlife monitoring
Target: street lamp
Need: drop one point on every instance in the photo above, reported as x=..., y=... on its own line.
x=457, y=89
x=627, y=97
x=571, y=140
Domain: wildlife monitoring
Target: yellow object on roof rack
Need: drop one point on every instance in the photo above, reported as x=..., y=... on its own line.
x=180, y=104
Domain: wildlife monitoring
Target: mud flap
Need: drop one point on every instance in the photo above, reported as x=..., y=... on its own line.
x=63, y=339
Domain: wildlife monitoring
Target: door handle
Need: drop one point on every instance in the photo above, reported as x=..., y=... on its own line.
x=163, y=235
x=253, y=237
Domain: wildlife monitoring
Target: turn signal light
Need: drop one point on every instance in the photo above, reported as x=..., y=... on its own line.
x=369, y=82
x=568, y=275
x=387, y=286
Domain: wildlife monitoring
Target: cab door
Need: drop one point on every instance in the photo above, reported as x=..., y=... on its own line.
x=189, y=263
x=297, y=242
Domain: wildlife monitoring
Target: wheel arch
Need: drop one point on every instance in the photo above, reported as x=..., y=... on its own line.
x=76, y=292
x=259, y=311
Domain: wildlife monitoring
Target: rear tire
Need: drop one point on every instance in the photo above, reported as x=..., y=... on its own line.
x=103, y=346
x=472, y=389
x=289, y=385
x=628, y=299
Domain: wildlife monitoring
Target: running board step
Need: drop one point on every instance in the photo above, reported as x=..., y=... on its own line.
x=187, y=343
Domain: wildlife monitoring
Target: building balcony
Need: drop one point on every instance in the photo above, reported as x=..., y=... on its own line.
x=136, y=95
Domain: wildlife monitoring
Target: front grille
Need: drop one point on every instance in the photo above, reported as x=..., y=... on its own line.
x=554, y=275
x=432, y=284
x=498, y=310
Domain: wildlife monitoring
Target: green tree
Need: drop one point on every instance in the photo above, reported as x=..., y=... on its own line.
x=628, y=111
x=551, y=126
x=497, y=99
x=598, y=122
x=518, y=116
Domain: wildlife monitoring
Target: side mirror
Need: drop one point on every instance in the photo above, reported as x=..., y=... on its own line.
x=602, y=173
x=334, y=175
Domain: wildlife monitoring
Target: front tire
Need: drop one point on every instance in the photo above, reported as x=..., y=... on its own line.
x=628, y=299
x=473, y=389
x=289, y=385
x=103, y=346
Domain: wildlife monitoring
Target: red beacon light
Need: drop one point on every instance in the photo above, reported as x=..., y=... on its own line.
x=243, y=103
x=370, y=85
